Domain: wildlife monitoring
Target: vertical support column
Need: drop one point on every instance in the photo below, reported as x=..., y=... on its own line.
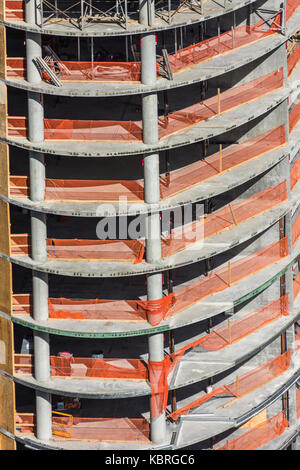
x=152, y=192
x=38, y=225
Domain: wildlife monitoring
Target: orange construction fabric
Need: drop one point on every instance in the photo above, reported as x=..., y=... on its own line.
x=216, y=281
x=224, y=219
x=245, y=384
x=14, y=10
x=260, y=435
x=93, y=429
x=291, y=7
x=229, y=99
x=294, y=116
x=176, y=182
x=226, y=276
x=72, y=71
x=226, y=42
x=77, y=130
x=233, y=156
x=293, y=59
x=218, y=339
x=127, y=369
x=295, y=173
x=96, y=309
x=15, y=67
x=296, y=285
x=106, y=250
x=296, y=230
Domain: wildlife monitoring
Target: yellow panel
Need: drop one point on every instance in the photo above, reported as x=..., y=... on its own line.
x=7, y=412
x=2, y=51
x=258, y=419
x=6, y=443
x=4, y=169
x=6, y=346
x=5, y=287
x=4, y=228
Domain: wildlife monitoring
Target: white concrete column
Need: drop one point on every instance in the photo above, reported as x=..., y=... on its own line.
x=152, y=191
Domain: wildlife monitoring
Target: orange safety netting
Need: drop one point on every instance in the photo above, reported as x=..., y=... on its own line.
x=157, y=310
x=295, y=173
x=67, y=129
x=296, y=285
x=294, y=116
x=226, y=42
x=260, y=435
x=177, y=181
x=82, y=190
x=14, y=10
x=131, y=71
x=243, y=385
x=97, y=429
x=218, y=339
x=296, y=230
x=72, y=71
x=291, y=7
x=106, y=250
x=129, y=369
x=228, y=100
x=223, y=219
x=293, y=59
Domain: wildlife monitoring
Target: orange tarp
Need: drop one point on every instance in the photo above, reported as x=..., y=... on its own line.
x=177, y=181
x=260, y=435
x=67, y=129
x=245, y=384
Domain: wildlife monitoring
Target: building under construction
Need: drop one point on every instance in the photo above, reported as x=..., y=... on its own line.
x=149, y=224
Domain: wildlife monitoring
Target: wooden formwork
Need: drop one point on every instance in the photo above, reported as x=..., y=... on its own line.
x=6, y=443
x=7, y=412
x=5, y=287
x=2, y=50
x=2, y=14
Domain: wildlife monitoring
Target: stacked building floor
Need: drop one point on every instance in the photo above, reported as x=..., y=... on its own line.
x=149, y=224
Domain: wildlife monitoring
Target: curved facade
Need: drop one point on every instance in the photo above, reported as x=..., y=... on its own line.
x=149, y=205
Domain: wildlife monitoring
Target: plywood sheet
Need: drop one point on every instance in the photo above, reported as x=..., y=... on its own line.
x=3, y=110
x=6, y=346
x=4, y=228
x=2, y=51
x=6, y=443
x=2, y=7
x=5, y=287
x=4, y=169
x=7, y=412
